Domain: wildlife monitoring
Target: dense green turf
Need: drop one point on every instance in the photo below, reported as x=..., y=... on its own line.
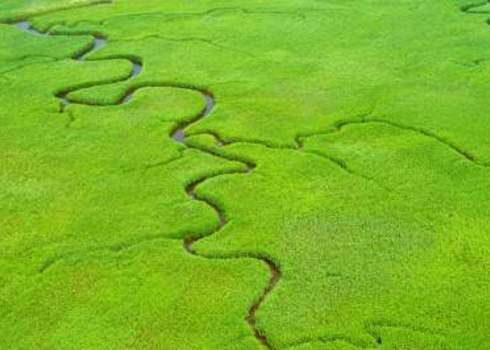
x=366, y=122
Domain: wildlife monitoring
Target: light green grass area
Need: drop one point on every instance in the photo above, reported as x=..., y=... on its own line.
x=335, y=197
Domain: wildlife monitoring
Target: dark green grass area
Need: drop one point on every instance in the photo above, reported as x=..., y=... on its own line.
x=365, y=128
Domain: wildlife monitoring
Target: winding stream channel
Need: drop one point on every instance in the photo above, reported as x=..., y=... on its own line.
x=179, y=135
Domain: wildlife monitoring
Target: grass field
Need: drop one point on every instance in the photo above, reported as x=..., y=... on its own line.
x=236, y=174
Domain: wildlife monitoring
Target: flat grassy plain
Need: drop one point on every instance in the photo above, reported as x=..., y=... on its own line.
x=336, y=195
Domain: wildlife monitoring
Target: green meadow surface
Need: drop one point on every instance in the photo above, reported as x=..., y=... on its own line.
x=367, y=123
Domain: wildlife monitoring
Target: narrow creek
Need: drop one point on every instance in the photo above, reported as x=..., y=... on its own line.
x=179, y=135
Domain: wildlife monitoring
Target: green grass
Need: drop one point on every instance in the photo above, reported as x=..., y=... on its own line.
x=367, y=123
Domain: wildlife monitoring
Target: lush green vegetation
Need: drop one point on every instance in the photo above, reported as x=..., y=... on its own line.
x=355, y=160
